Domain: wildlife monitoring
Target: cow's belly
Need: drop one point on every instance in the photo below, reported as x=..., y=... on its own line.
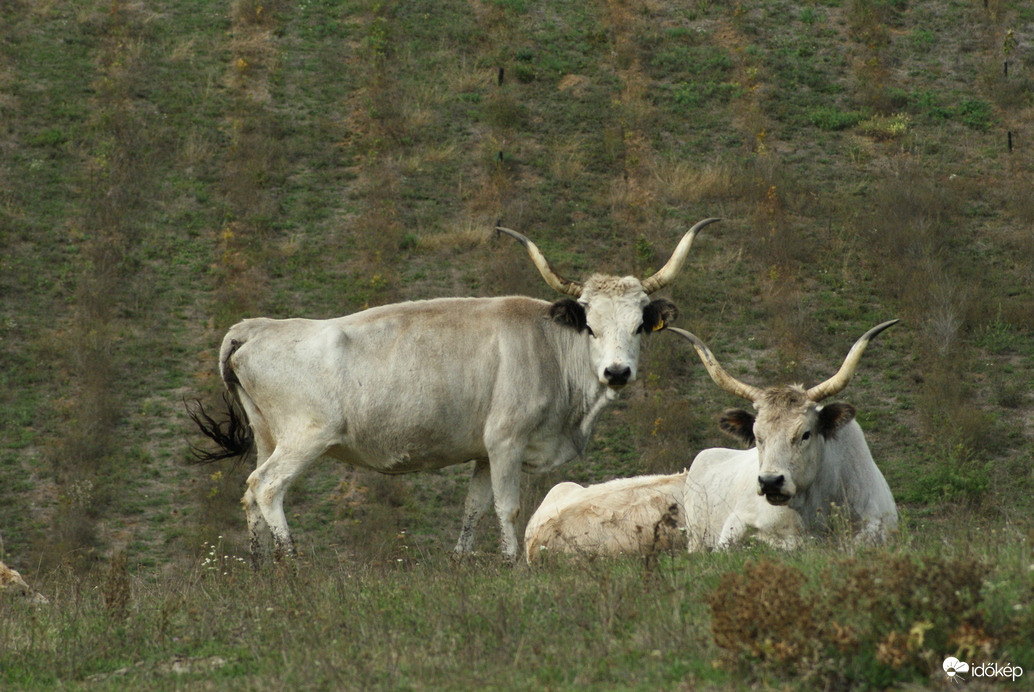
x=426, y=451
x=396, y=456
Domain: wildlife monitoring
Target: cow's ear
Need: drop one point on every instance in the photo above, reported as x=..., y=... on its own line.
x=833, y=417
x=738, y=423
x=569, y=313
x=658, y=314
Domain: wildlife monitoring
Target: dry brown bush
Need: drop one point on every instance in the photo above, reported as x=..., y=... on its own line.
x=864, y=620
x=763, y=614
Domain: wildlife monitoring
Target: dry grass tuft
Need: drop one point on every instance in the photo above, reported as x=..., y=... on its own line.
x=567, y=159
x=461, y=236
x=682, y=182
x=116, y=587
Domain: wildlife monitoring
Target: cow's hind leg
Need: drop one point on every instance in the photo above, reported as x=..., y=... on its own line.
x=479, y=499
x=266, y=488
x=258, y=531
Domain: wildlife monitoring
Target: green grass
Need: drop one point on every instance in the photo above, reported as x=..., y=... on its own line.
x=827, y=118
x=418, y=620
x=859, y=166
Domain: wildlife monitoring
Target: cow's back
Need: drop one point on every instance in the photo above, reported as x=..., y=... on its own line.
x=638, y=515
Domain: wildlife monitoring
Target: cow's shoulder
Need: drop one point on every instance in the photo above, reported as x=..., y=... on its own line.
x=723, y=462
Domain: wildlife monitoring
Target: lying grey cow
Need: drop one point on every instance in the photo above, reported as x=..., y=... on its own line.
x=636, y=516
x=807, y=457
x=511, y=383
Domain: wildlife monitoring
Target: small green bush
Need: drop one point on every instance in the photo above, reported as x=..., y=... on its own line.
x=956, y=474
x=887, y=127
x=922, y=38
x=975, y=113
x=698, y=94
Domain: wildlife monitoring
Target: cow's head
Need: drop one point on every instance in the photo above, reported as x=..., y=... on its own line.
x=791, y=426
x=613, y=311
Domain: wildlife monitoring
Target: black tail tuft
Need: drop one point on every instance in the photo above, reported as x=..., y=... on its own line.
x=233, y=434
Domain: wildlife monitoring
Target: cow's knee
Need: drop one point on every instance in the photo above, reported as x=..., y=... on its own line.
x=732, y=532
x=505, y=468
x=283, y=547
x=264, y=504
x=251, y=509
x=508, y=514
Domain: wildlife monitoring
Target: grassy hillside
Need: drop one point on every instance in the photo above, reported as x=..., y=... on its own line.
x=170, y=168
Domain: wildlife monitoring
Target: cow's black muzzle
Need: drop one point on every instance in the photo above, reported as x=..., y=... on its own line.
x=617, y=375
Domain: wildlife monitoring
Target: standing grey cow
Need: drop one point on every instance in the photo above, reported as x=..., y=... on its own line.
x=510, y=383
x=807, y=457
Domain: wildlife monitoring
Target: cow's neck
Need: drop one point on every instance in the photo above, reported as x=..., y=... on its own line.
x=604, y=395
x=813, y=503
x=831, y=487
x=588, y=396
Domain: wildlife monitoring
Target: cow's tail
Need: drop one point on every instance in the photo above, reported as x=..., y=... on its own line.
x=232, y=435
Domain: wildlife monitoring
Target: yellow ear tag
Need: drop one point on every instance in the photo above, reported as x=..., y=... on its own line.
x=660, y=326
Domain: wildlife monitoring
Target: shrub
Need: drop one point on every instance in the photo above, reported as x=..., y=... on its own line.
x=922, y=39
x=975, y=113
x=956, y=474
x=763, y=614
x=870, y=621
x=884, y=127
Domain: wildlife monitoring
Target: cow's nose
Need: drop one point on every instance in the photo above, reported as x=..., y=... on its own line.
x=771, y=484
x=617, y=375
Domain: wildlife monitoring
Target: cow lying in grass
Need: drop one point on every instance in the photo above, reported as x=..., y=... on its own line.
x=640, y=516
x=809, y=463
x=12, y=583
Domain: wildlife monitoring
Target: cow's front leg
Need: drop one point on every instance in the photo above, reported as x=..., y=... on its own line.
x=479, y=499
x=506, y=489
x=733, y=531
x=782, y=528
x=874, y=530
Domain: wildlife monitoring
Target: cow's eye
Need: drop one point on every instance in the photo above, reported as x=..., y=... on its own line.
x=639, y=329
x=806, y=436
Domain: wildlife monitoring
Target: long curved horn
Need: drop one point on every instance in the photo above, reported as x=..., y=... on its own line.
x=717, y=372
x=670, y=270
x=836, y=384
x=557, y=282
